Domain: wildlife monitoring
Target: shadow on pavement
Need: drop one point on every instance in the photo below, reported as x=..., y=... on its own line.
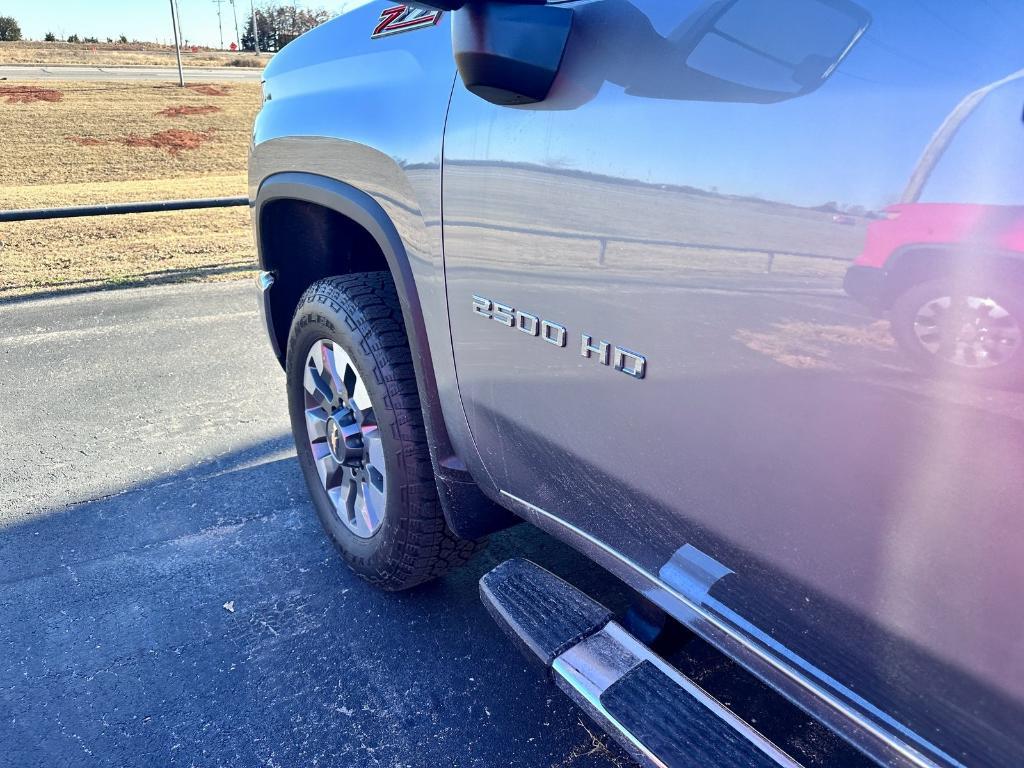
x=116, y=648
x=142, y=280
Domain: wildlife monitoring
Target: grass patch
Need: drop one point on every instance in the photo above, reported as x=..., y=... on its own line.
x=108, y=143
x=118, y=250
x=249, y=61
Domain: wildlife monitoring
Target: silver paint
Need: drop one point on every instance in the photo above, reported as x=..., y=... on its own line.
x=869, y=513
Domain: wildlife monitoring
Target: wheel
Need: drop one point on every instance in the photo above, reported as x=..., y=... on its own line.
x=969, y=332
x=359, y=432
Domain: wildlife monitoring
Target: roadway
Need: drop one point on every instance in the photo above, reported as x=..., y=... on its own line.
x=148, y=480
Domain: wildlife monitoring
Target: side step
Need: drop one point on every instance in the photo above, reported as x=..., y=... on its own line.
x=659, y=716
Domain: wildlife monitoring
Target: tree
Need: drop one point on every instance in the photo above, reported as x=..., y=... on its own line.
x=50, y=38
x=74, y=39
x=277, y=23
x=9, y=29
x=123, y=39
x=265, y=32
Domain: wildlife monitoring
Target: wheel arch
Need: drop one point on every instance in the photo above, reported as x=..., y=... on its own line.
x=333, y=219
x=915, y=263
x=344, y=223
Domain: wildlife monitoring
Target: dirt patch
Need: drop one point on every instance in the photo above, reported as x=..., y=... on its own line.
x=25, y=94
x=79, y=139
x=804, y=345
x=210, y=90
x=186, y=111
x=175, y=140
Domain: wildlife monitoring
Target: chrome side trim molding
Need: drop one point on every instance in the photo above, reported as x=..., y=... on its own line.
x=866, y=733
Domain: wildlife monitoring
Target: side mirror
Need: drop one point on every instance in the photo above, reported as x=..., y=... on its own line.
x=507, y=52
x=773, y=51
x=510, y=53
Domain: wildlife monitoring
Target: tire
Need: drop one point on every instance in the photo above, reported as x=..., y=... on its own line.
x=398, y=537
x=934, y=338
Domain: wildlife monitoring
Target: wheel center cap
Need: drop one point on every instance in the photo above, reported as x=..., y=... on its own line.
x=334, y=441
x=345, y=439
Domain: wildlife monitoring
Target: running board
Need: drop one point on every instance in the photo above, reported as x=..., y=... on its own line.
x=662, y=718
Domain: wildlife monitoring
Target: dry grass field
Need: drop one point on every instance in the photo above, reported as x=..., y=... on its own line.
x=118, y=54
x=83, y=143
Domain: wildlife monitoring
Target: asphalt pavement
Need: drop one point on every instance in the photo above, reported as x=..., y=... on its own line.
x=16, y=72
x=167, y=596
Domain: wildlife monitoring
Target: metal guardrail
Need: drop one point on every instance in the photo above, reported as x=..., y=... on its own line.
x=112, y=209
x=37, y=214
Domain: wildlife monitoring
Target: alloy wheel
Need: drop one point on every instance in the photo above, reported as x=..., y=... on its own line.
x=967, y=331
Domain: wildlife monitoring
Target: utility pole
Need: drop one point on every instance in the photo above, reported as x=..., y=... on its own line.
x=946, y=133
x=255, y=28
x=177, y=20
x=234, y=12
x=220, y=26
x=177, y=43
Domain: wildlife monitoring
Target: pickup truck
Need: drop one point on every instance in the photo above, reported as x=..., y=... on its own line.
x=580, y=264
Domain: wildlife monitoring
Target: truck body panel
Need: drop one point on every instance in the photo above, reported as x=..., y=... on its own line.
x=632, y=292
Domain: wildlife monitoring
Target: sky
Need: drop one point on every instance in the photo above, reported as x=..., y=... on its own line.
x=137, y=19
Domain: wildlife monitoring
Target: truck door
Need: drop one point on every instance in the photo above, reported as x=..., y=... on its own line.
x=656, y=356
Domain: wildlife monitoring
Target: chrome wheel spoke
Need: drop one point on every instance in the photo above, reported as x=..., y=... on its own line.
x=318, y=387
x=375, y=500
x=330, y=369
x=372, y=505
x=344, y=438
x=326, y=466
x=339, y=497
x=358, y=395
x=316, y=424
x=374, y=452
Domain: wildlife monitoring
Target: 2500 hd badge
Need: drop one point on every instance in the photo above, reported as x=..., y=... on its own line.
x=619, y=358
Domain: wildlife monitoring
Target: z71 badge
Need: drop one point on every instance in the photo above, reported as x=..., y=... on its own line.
x=619, y=358
x=402, y=18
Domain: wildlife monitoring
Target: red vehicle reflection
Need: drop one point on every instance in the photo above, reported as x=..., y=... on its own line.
x=951, y=274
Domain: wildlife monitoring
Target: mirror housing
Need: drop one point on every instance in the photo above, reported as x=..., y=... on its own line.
x=510, y=53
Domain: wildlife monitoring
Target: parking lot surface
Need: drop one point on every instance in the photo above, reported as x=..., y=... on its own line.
x=166, y=593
